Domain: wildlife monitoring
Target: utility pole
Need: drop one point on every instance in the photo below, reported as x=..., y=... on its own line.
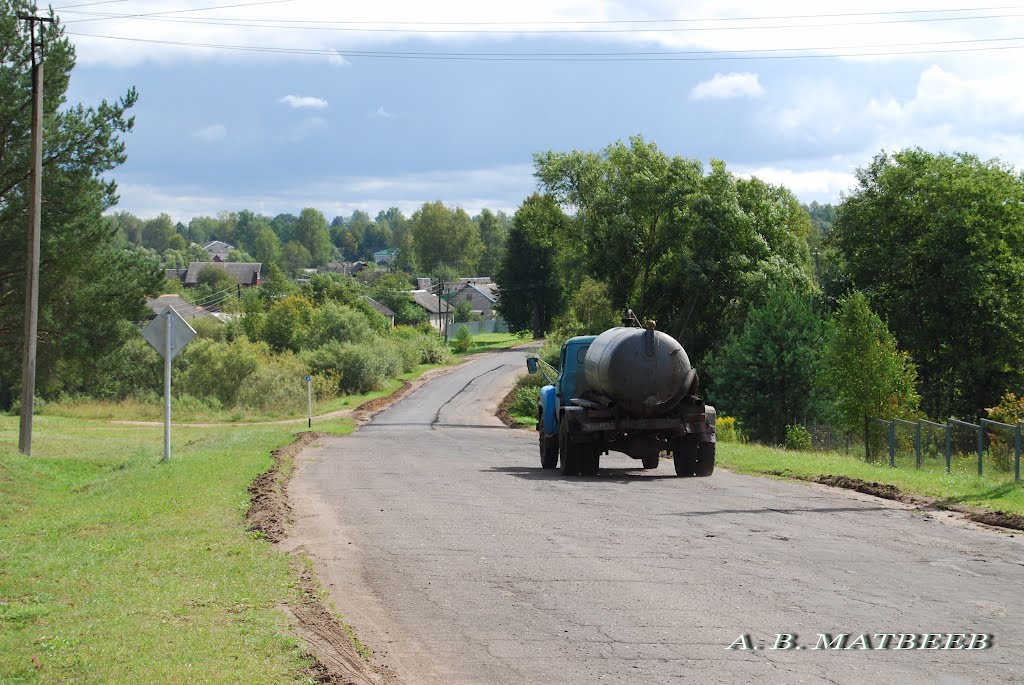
x=28, y=365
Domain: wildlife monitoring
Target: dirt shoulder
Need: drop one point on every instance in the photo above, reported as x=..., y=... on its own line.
x=330, y=643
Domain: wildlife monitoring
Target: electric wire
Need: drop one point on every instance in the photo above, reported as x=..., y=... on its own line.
x=332, y=26
x=683, y=56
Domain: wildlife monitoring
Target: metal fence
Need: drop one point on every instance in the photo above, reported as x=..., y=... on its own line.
x=988, y=447
x=478, y=327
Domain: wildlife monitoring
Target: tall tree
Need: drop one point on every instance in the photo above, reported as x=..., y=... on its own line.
x=89, y=288
x=310, y=231
x=493, y=234
x=691, y=250
x=157, y=233
x=861, y=371
x=764, y=375
x=936, y=242
x=445, y=237
x=529, y=278
x=266, y=245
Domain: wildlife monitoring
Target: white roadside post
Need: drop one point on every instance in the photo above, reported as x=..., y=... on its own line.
x=168, y=333
x=309, y=401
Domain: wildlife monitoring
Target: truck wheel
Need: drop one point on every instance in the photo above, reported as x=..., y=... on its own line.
x=568, y=453
x=650, y=462
x=705, y=464
x=548, y=449
x=591, y=461
x=695, y=459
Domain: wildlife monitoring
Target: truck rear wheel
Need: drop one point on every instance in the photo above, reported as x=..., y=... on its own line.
x=650, y=462
x=695, y=459
x=591, y=461
x=568, y=453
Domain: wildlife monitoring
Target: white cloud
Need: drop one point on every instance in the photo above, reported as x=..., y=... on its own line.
x=211, y=133
x=303, y=101
x=732, y=85
x=810, y=182
x=337, y=58
x=498, y=188
x=381, y=113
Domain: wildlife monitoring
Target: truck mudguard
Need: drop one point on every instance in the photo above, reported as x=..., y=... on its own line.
x=549, y=406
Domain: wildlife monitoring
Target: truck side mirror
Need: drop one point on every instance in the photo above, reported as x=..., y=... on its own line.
x=531, y=364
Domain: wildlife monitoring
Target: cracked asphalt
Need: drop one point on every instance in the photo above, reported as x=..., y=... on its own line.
x=458, y=560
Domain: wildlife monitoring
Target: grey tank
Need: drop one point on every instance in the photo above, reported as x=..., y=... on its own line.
x=642, y=371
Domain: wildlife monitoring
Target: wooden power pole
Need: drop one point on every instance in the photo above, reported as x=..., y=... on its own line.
x=28, y=367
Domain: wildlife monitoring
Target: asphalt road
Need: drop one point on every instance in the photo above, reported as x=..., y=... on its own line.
x=458, y=560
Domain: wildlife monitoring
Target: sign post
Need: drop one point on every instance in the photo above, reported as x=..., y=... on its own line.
x=168, y=333
x=309, y=401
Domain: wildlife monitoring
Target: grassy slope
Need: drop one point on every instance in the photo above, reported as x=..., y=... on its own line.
x=961, y=487
x=115, y=568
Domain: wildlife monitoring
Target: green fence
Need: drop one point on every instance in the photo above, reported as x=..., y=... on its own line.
x=988, y=448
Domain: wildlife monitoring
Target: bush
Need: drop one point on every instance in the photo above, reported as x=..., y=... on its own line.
x=359, y=368
x=209, y=327
x=333, y=321
x=219, y=369
x=797, y=438
x=727, y=430
x=278, y=384
x=463, y=340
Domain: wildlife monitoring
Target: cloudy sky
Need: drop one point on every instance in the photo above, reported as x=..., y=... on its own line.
x=278, y=105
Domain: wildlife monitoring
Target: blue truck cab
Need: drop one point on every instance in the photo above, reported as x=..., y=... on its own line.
x=563, y=390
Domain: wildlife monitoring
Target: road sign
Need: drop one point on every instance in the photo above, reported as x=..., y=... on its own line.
x=181, y=333
x=168, y=333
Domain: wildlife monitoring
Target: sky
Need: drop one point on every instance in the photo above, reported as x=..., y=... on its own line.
x=278, y=105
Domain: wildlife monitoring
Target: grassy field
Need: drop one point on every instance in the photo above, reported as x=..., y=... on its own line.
x=135, y=410
x=996, y=492
x=116, y=568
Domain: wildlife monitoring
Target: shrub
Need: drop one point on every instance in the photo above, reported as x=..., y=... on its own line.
x=333, y=321
x=727, y=430
x=278, y=384
x=797, y=438
x=286, y=324
x=219, y=369
x=209, y=327
x=358, y=367
x=463, y=340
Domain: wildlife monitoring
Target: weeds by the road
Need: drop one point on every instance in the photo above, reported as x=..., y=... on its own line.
x=189, y=411
x=957, y=488
x=120, y=569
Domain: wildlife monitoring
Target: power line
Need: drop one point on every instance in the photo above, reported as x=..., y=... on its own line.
x=682, y=56
x=323, y=26
x=89, y=4
x=146, y=15
x=605, y=22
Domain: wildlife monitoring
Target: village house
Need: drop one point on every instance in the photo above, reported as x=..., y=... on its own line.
x=246, y=274
x=218, y=250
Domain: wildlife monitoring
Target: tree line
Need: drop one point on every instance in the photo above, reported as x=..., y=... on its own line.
x=434, y=237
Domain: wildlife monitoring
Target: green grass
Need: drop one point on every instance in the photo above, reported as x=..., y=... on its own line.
x=995, y=492
x=117, y=568
x=485, y=342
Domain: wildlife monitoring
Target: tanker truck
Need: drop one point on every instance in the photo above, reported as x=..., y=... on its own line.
x=630, y=389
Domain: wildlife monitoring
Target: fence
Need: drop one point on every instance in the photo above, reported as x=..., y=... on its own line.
x=478, y=327
x=995, y=447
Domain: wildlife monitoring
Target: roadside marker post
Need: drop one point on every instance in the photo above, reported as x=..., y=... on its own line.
x=309, y=399
x=168, y=333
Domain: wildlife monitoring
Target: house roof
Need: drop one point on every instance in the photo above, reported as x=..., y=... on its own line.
x=428, y=301
x=186, y=309
x=218, y=246
x=384, y=253
x=379, y=307
x=487, y=290
x=246, y=273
